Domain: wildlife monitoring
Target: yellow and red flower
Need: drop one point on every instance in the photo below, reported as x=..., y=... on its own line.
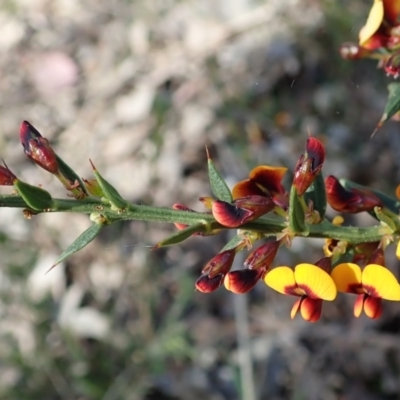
x=307, y=281
x=378, y=30
x=372, y=284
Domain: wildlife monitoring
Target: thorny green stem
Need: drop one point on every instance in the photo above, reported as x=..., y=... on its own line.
x=266, y=225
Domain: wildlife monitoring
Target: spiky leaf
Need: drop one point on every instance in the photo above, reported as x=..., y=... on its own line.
x=218, y=185
x=83, y=240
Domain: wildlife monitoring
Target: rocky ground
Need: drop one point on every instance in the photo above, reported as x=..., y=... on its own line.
x=140, y=88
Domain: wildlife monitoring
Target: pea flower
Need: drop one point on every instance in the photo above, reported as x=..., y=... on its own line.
x=371, y=285
x=309, y=282
x=265, y=181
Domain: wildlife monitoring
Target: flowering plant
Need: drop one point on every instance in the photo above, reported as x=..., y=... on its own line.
x=258, y=209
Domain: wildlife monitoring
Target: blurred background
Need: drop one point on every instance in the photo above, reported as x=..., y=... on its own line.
x=141, y=88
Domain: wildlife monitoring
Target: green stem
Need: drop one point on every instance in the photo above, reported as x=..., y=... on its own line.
x=266, y=225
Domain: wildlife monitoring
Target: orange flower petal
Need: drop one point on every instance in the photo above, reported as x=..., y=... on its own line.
x=372, y=307
x=247, y=188
x=311, y=309
x=398, y=192
x=347, y=278
x=359, y=305
x=281, y=279
x=316, y=283
x=373, y=23
x=295, y=308
x=269, y=178
x=378, y=281
x=392, y=10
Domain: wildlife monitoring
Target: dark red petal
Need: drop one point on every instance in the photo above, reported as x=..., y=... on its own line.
x=269, y=178
x=259, y=205
x=311, y=309
x=242, y=280
x=248, y=188
x=7, y=178
x=220, y=264
x=315, y=150
x=263, y=256
x=205, y=284
x=352, y=201
x=230, y=215
x=373, y=307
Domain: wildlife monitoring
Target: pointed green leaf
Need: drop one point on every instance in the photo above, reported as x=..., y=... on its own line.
x=218, y=185
x=296, y=212
x=67, y=172
x=109, y=190
x=392, y=105
x=180, y=236
x=84, y=239
x=35, y=197
x=317, y=194
x=233, y=243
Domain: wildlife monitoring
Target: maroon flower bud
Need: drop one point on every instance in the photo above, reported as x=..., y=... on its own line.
x=220, y=264
x=351, y=201
x=243, y=280
x=205, y=284
x=7, y=178
x=244, y=209
x=309, y=165
x=263, y=256
x=37, y=148
x=230, y=215
x=392, y=65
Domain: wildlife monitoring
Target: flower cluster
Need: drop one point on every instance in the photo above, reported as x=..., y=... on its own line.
x=303, y=207
x=379, y=38
x=260, y=210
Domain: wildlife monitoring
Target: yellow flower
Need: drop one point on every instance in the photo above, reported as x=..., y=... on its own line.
x=372, y=284
x=307, y=281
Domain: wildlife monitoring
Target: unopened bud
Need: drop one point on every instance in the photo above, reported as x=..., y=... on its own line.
x=7, y=178
x=242, y=280
x=309, y=165
x=37, y=148
x=263, y=256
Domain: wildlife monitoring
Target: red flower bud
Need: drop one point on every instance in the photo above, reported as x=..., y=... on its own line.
x=7, y=178
x=230, y=215
x=37, y=148
x=263, y=256
x=392, y=65
x=244, y=209
x=351, y=201
x=309, y=165
x=220, y=264
x=242, y=280
x=205, y=284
